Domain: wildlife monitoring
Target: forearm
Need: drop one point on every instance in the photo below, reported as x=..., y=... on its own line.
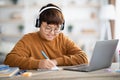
x=67, y=60
x=21, y=62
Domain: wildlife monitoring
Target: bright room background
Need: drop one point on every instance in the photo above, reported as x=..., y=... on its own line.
x=83, y=22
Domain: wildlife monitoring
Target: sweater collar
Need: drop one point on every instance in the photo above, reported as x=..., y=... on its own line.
x=41, y=38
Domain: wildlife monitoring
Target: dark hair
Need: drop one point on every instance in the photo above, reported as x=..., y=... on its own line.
x=51, y=16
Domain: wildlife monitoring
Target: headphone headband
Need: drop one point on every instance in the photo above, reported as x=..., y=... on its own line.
x=51, y=7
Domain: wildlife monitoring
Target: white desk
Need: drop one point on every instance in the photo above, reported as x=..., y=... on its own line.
x=71, y=75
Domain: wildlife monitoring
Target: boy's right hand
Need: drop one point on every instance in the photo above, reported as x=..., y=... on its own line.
x=46, y=64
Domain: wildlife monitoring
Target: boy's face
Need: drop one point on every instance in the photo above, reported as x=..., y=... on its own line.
x=49, y=31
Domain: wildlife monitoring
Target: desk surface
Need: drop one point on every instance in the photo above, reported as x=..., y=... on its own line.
x=71, y=75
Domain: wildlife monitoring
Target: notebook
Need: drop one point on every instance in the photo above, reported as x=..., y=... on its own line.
x=8, y=72
x=3, y=67
x=101, y=57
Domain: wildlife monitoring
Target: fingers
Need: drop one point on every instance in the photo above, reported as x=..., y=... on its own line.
x=46, y=64
x=54, y=61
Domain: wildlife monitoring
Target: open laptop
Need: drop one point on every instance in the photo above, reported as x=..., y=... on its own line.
x=101, y=58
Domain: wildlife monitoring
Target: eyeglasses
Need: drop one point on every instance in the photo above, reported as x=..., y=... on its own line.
x=56, y=30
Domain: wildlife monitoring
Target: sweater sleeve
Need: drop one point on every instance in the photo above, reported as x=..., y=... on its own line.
x=72, y=55
x=20, y=56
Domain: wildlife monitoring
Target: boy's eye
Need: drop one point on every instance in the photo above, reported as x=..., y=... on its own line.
x=48, y=28
x=57, y=29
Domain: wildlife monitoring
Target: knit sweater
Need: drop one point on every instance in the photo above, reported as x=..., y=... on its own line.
x=27, y=52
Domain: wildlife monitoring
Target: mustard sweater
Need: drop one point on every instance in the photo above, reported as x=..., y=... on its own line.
x=27, y=52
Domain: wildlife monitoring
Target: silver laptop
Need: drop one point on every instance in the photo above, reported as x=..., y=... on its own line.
x=101, y=58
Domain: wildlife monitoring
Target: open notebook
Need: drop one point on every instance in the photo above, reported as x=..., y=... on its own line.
x=53, y=69
x=101, y=58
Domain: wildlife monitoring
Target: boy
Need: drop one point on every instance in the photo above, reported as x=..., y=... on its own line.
x=61, y=51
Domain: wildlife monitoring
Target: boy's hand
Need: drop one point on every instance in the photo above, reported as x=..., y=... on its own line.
x=47, y=64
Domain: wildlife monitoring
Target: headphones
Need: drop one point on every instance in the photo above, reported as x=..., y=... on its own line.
x=46, y=8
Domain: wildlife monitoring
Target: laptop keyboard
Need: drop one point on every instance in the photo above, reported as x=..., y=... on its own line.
x=82, y=66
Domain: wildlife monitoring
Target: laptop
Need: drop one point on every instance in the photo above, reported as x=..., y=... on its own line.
x=101, y=57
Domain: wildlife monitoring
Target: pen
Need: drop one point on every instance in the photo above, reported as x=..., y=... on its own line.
x=54, y=68
x=21, y=71
x=43, y=53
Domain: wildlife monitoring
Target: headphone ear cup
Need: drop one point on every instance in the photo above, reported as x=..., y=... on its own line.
x=63, y=26
x=37, y=23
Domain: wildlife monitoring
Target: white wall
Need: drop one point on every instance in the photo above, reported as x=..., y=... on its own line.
x=117, y=24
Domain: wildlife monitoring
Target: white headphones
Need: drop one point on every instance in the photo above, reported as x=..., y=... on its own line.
x=46, y=8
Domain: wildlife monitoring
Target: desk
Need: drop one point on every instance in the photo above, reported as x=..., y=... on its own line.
x=71, y=75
